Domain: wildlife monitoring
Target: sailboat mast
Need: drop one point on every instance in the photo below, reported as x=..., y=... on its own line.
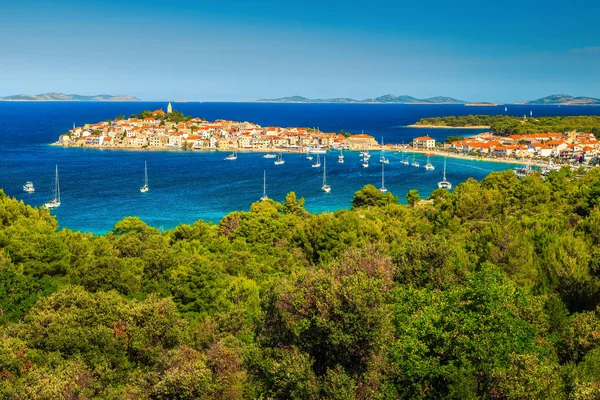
x=324, y=169
x=145, y=173
x=444, y=168
x=57, y=186
x=264, y=183
x=382, y=176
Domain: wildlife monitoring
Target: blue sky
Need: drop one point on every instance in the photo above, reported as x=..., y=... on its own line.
x=242, y=50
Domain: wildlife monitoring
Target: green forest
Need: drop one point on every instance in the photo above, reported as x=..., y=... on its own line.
x=507, y=125
x=491, y=291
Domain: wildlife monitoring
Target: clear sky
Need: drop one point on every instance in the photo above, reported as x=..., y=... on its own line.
x=242, y=50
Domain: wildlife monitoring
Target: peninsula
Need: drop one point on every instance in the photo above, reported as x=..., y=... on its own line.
x=504, y=125
x=68, y=97
x=171, y=130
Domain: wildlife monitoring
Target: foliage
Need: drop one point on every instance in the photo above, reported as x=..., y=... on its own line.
x=508, y=125
x=492, y=291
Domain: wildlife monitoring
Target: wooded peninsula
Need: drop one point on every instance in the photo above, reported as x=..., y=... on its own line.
x=508, y=125
x=490, y=291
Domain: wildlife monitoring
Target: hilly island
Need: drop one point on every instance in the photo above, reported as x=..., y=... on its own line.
x=54, y=96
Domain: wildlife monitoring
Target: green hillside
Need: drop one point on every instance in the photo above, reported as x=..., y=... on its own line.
x=492, y=291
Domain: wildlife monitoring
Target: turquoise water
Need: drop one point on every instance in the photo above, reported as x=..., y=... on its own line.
x=100, y=187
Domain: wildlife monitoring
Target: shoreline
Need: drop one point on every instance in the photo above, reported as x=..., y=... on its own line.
x=397, y=149
x=446, y=127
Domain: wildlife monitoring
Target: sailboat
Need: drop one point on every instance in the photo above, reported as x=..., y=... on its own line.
x=341, y=157
x=414, y=162
x=270, y=155
x=326, y=188
x=317, y=163
x=444, y=184
x=144, y=188
x=264, y=196
x=382, y=189
x=365, y=162
x=56, y=201
x=279, y=160
x=403, y=160
x=382, y=158
x=232, y=156
x=28, y=187
x=505, y=109
x=429, y=166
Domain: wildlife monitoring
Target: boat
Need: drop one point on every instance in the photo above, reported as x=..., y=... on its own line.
x=523, y=171
x=414, y=163
x=367, y=155
x=365, y=163
x=326, y=188
x=144, y=188
x=56, y=201
x=403, y=160
x=341, y=157
x=382, y=189
x=28, y=187
x=444, y=184
x=429, y=166
x=232, y=156
x=279, y=160
x=505, y=109
x=382, y=158
x=270, y=155
x=264, y=196
x=309, y=157
x=317, y=163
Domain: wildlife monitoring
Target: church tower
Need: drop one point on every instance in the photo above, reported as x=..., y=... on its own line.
x=169, y=108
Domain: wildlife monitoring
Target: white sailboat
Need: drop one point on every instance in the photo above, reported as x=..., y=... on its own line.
x=429, y=166
x=279, y=160
x=383, y=189
x=28, y=187
x=264, y=196
x=232, y=156
x=56, y=201
x=317, y=163
x=505, y=109
x=326, y=188
x=414, y=163
x=341, y=157
x=382, y=158
x=144, y=188
x=403, y=160
x=270, y=155
x=444, y=184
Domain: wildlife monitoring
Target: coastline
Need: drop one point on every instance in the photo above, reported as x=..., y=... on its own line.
x=446, y=127
x=293, y=151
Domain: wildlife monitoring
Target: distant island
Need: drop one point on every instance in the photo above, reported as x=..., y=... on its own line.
x=386, y=99
x=54, y=96
x=556, y=99
x=563, y=99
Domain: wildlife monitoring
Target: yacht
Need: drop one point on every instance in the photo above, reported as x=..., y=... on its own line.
x=414, y=163
x=382, y=158
x=279, y=160
x=317, y=163
x=56, y=201
x=403, y=160
x=28, y=187
x=365, y=162
x=309, y=157
x=523, y=171
x=341, y=157
x=232, y=156
x=144, y=188
x=326, y=188
x=264, y=196
x=270, y=155
x=429, y=166
x=382, y=189
x=444, y=184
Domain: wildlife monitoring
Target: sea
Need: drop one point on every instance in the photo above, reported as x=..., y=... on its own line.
x=100, y=187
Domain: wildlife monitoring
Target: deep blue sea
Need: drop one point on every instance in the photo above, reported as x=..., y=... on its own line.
x=100, y=187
